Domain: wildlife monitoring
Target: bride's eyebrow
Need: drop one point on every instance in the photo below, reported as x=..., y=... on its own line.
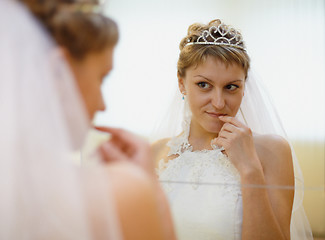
x=204, y=78
x=234, y=81
x=239, y=80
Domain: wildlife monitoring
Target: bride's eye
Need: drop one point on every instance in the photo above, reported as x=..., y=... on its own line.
x=204, y=85
x=232, y=87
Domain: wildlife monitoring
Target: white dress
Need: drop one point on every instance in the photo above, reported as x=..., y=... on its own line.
x=203, y=188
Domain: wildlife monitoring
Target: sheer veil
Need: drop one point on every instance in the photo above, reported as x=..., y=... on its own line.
x=258, y=112
x=43, y=195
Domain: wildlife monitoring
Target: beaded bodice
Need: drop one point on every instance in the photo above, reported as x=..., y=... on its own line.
x=203, y=188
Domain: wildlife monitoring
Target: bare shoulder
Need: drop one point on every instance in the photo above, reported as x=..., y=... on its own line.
x=127, y=171
x=135, y=197
x=160, y=150
x=272, y=142
x=275, y=155
x=160, y=145
x=128, y=180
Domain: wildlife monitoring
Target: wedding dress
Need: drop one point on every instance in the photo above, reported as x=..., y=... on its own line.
x=203, y=187
x=200, y=210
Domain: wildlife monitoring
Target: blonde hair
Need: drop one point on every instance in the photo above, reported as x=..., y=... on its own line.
x=80, y=32
x=195, y=54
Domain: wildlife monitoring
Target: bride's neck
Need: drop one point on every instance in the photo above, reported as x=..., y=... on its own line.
x=199, y=138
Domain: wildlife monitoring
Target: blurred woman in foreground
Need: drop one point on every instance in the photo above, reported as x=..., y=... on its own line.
x=49, y=92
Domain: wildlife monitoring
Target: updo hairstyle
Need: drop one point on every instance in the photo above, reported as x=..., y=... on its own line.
x=195, y=54
x=81, y=32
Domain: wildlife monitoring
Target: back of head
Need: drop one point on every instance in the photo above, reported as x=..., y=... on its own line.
x=85, y=37
x=228, y=46
x=42, y=196
x=75, y=24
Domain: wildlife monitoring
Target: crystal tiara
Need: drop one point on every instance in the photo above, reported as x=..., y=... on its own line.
x=234, y=41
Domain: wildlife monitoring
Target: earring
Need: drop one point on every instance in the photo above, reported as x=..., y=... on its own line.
x=183, y=95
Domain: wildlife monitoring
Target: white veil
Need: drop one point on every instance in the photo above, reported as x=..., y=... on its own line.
x=257, y=112
x=43, y=195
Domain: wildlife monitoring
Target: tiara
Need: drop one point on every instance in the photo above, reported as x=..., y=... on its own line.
x=222, y=30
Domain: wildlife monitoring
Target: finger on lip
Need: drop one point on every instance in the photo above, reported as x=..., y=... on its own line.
x=223, y=118
x=217, y=114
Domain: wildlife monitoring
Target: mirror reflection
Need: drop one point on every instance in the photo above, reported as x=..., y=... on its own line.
x=235, y=131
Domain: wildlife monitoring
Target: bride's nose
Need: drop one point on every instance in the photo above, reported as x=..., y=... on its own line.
x=218, y=100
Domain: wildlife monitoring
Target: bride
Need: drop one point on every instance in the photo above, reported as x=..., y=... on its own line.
x=54, y=56
x=229, y=174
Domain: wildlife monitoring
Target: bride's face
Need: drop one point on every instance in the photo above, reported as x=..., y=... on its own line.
x=89, y=74
x=213, y=89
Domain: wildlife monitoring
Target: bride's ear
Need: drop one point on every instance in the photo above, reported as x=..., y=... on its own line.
x=60, y=52
x=64, y=52
x=181, y=84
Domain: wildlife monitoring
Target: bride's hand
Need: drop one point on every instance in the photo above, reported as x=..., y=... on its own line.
x=237, y=140
x=125, y=146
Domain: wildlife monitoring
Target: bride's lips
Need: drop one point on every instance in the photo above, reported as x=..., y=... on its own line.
x=215, y=115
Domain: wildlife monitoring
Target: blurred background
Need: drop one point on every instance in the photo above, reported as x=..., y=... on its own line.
x=286, y=42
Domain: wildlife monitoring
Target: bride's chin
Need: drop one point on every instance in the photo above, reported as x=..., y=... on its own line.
x=213, y=128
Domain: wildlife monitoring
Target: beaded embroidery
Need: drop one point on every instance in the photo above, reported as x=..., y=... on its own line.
x=198, y=165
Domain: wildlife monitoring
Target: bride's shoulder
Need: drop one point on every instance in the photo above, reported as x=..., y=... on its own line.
x=134, y=195
x=161, y=143
x=274, y=151
x=160, y=149
x=271, y=141
x=275, y=155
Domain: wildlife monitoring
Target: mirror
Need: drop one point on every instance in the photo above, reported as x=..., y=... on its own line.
x=286, y=43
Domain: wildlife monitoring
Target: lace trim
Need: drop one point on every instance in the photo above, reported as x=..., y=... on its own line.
x=180, y=144
x=198, y=167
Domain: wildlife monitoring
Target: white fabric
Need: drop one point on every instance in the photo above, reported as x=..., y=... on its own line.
x=199, y=210
x=257, y=112
x=43, y=196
